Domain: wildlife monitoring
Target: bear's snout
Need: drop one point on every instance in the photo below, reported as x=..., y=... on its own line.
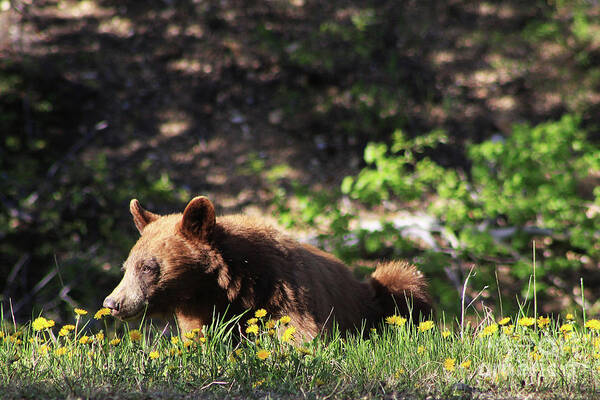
x=112, y=305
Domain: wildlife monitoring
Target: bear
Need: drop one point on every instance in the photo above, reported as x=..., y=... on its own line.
x=193, y=265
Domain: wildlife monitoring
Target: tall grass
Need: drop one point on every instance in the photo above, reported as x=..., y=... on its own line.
x=507, y=358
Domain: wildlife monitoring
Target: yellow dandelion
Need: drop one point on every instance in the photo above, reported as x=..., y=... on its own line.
x=84, y=339
x=526, y=321
x=252, y=321
x=61, y=351
x=153, y=355
x=425, y=326
x=63, y=332
x=41, y=323
x=263, y=354
x=80, y=311
x=202, y=339
x=260, y=313
x=565, y=328
x=43, y=349
x=101, y=313
x=135, y=335
x=466, y=364
x=391, y=320
x=400, y=321
x=288, y=335
x=270, y=324
x=285, y=319
x=450, y=364
x=508, y=329
x=100, y=336
x=543, y=322
x=68, y=327
x=304, y=351
x=593, y=324
x=488, y=330
x=252, y=329
x=420, y=349
x=190, y=335
x=504, y=321
x=115, y=341
x=446, y=333
x=570, y=317
x=174, y=340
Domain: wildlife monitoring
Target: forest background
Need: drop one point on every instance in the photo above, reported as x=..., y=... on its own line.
x=454, y=134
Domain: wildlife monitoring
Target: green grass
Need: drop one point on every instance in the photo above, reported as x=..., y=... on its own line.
x=402, y=359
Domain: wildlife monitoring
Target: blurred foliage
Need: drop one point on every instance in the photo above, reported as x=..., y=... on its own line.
x=534, y=183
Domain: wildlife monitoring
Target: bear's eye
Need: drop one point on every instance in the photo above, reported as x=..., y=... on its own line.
x=149, y=267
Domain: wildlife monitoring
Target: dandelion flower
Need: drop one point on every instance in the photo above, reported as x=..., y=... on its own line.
x=260, y=313
x=488, y=330
x=450, y=364
x=202, y=339
x=508, y=329
x=593, y=324
x=153, y=355
x=80, y=311
x=189, y=335
x=252, y=329
x=425, y=326
x=566, y=328
x=543, y=322
x=270, y=324
x=504, y=321
x=174, y=340
x=100, y=336
x=43, y=349
x=466, y=364
x=263, y=354
x=61, y=351
x=101, y=313
x=115, y=341
x=288, y=335
x=285, y=319
x=41, y=323
x=391, y=320
x=446, y=333
x=526, y=321
x=85, y=339
x=135, y=335
x=570, y=317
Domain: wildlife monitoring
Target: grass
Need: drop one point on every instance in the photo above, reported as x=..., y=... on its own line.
x=507, y=358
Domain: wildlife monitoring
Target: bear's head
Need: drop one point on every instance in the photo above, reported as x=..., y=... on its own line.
x=166, y=267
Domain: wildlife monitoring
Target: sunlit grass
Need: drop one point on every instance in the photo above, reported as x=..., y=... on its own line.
x=508, y=355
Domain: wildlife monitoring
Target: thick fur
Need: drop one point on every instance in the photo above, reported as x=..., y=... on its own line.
x=193, y=264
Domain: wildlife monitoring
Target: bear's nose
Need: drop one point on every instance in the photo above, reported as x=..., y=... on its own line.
x=111, y=304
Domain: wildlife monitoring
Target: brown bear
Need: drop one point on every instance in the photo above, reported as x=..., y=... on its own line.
x=194, y=266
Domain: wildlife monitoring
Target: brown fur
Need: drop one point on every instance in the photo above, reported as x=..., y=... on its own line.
x=193, y=264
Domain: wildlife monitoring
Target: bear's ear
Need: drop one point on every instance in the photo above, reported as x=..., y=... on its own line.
x=141, y=217
x=198, y=218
